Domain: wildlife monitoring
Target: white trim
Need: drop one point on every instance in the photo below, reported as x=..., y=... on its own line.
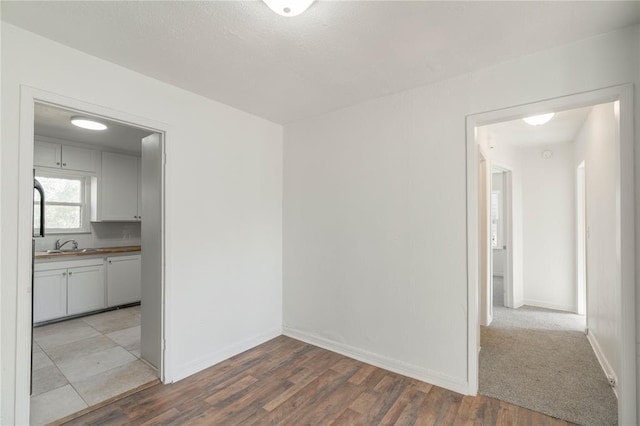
x=581, y=255
x=507, y=229
x=223, y=354
x=549, y=305
x=28, y=97
x=419, y=373
x=486, y=293
x=604, y=363
x=625, y=232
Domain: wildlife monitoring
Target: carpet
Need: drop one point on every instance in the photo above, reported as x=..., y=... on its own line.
x=540, y=359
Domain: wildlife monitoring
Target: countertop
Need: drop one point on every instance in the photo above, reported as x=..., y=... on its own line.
x=99, y=252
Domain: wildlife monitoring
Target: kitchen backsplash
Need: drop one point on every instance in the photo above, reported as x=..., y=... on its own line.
x=103, y=234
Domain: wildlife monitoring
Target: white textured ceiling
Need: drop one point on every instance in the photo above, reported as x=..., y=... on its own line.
x=55, y=122
x=562, y=128
x=336, y=54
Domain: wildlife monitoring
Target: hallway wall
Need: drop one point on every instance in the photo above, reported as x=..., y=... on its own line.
x=548, y=211
x=593, y=145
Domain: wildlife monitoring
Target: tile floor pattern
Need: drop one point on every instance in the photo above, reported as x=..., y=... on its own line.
x=84, y=361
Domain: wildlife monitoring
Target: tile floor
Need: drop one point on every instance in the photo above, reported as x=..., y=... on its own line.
x=84, y=361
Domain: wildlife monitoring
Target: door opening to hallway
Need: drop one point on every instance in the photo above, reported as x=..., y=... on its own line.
x=537, y=351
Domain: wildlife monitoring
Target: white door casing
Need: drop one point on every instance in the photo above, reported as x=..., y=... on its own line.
x=28, y=97
x=625, y=230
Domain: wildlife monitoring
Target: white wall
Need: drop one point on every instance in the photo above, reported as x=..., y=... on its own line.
x=223, y=202
x=548, y=192
x=374, y=208
x=593, y=145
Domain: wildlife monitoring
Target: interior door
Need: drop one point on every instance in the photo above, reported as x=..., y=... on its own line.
x=151, y=321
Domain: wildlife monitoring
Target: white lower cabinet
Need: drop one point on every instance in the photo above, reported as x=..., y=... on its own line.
x=123, y=279
x=49, y=294
x=65, y=288
x=85, y=289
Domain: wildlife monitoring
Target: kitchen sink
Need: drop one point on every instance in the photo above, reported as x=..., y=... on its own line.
x=85, y=250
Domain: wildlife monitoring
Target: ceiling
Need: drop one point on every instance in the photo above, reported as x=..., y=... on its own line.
x=336, y=54
x=562, y=128
x=55, y=122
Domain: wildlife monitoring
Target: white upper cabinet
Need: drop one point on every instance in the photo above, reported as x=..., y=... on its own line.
x=54, y=155
x=47, y=154
x=118, y=199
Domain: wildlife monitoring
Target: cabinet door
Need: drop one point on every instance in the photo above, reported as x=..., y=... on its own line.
x=49, y=295
x=74, y=158
x=47, y=154
x=85, y=289
x=123, y=280
x=119, y=195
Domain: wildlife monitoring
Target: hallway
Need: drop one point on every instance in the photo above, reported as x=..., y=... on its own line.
x=541, y=359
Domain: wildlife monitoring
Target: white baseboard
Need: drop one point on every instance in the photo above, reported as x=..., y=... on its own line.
x=604, y=363
x=547, y=305
x=415, y=372
x=211, y=359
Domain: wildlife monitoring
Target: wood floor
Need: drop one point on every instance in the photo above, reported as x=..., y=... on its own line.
x=285, y=381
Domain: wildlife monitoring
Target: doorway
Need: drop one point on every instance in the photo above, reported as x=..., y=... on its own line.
x=620, y=150
x=501, y=235
x=109, y=315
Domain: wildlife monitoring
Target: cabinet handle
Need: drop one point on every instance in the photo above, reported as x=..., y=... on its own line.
x=64, y=274
x=70, y=273
x=57, y=163
x=64, y=164
x=109, y=261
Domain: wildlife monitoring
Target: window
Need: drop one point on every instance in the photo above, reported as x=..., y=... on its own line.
x=66, y=202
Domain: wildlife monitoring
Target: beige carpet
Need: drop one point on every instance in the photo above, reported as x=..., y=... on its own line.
x=541, y=360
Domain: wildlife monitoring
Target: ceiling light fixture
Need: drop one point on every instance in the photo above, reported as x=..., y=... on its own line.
x=537, y=120
x=88, y=123
x=288, y=8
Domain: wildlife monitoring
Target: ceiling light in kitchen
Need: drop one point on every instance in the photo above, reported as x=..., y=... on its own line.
x=288, y=7
x=537, y=120
x=88, y=123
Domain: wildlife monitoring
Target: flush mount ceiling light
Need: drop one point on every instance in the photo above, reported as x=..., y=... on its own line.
x=288, y=8
x=88, y=123
x=537, y=120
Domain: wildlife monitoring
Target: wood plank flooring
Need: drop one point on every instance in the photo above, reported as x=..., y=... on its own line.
x=285, y=381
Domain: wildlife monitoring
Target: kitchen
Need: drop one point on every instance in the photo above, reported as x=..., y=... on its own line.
x=87, y=272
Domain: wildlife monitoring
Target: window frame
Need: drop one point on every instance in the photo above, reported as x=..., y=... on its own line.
x=85, y=204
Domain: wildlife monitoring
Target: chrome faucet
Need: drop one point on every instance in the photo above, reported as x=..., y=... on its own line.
x=59, y=244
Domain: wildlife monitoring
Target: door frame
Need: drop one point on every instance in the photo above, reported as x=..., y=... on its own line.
x=29, y=96
x=581, y=241
x=484, y=244
x=625, y=230
x=507, y=232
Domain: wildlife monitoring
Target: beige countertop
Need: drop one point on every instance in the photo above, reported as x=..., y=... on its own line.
x=91, y=252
